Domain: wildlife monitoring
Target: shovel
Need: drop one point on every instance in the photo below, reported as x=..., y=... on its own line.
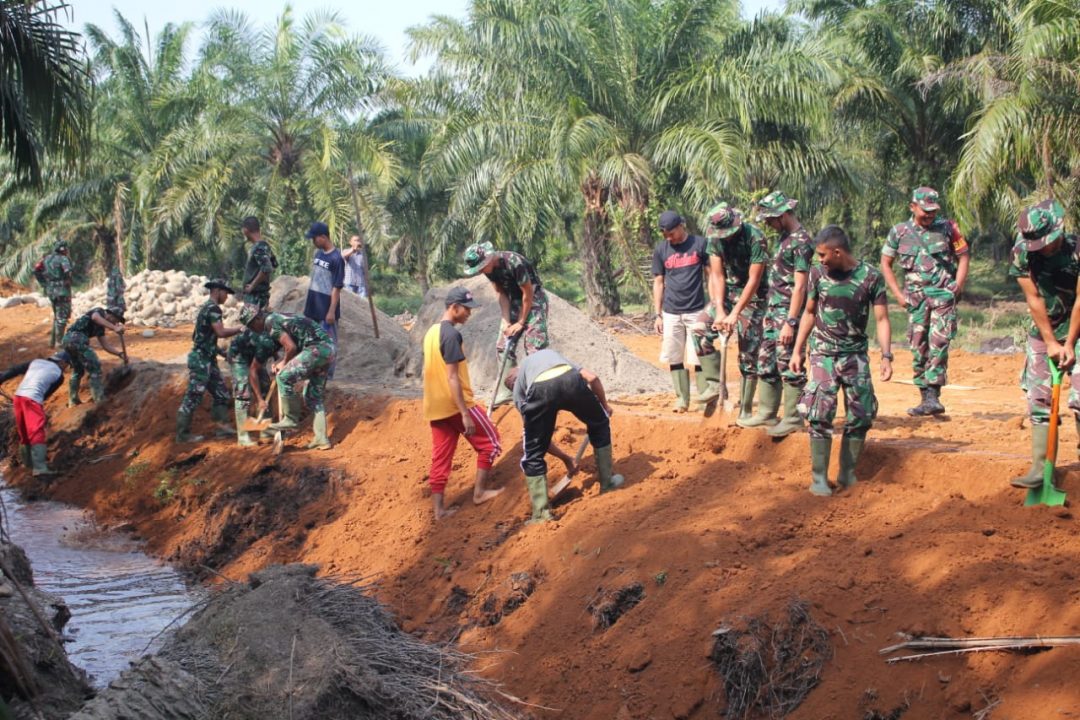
x=1047, y=494
x=260, y=423
x=565, y=482
x=723, y=399
x=511, y=343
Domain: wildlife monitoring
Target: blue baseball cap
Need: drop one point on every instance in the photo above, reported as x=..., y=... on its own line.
x=317, y=229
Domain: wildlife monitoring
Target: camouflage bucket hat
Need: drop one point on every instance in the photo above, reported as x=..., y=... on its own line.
x=219, y=284
x=116, y=311
x=775, y=204
x=926, y=198
x=724, y=221
x=248, y=313
x=61, y=246
x=1041, y=224
x=476, y=257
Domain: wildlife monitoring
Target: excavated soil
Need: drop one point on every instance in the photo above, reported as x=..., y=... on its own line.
x=610, y=611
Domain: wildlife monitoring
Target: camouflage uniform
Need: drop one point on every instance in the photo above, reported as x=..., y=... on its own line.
x=247, y=347
x=261, y=259
x=55, y=276
x=838, y=345
x=84, y=361
x=510, y=273
x=1055, y=277
x=929, y=259
x=114, y=289
x=739, y=250
x=312, y=362
x=203, y=372
x=794, y=253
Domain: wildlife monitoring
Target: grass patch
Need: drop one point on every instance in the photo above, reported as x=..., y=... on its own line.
x=165, y=490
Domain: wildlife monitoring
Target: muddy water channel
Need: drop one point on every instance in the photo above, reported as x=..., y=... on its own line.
x=119, y=598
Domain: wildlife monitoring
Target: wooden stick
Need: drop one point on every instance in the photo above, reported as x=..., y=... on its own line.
x=962, y=651
x=979, y=642
x=363, y=255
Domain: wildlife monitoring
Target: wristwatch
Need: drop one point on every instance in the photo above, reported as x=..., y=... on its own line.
x=792, y=322
x=887, y=356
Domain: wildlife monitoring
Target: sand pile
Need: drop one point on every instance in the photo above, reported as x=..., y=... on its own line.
x=361, y=357
x=572, y=333
x=157, y=298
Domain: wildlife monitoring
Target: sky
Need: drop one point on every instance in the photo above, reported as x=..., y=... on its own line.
x=386, y=20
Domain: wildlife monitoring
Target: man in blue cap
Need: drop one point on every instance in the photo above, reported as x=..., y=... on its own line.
x=327, y=278
x=41, y=379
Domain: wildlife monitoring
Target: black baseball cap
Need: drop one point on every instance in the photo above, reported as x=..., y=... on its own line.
x=317, y=229
x=461, y=296
x=669, y=220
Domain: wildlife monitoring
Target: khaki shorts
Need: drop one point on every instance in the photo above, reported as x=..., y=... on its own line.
x=676, y=347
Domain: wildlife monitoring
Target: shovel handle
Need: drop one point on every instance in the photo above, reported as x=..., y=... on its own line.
x=123, y=348
x=511, y=343
x=1055, y=408
x=269, y=393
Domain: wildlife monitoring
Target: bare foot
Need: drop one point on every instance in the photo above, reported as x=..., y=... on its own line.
x=445, y=512
x=486, y=495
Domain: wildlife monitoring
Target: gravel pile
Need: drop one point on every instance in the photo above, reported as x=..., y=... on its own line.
x=157, y=298
x=33, y=298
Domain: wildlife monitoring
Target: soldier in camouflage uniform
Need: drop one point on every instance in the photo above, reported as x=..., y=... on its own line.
x=248, y=353
x=203, y=372
x=1046, y=264
x=738, y=252
x=84, y=361
x=522, y=300
x=934, y=257
x=54, y=273
x=114, y=289
x=309, y=352
x=787, y=295
x=260, y=264
x=840, y=294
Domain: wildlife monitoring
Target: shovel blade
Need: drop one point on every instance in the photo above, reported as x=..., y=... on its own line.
x=1045, y=494
x=256, y=425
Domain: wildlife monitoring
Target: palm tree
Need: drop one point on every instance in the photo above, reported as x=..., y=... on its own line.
x=44, y=87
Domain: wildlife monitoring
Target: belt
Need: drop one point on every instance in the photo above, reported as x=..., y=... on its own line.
x=552, y=373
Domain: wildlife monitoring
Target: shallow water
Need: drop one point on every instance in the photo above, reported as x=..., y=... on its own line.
x=119, y=598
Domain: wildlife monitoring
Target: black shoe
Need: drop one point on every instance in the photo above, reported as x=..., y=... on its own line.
x=925, y=407
x=934, y=400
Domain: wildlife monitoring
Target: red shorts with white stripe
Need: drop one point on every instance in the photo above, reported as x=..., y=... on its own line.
x=29, y=421
x=444, y=440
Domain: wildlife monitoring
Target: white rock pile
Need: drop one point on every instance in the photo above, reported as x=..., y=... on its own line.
x=157, y=298
x=28, y=299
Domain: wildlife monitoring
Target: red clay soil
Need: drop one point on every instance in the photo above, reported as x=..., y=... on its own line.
x=9, y=287
x=715, y=523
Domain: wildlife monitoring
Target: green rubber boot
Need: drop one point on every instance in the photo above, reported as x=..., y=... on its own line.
x=183, y=429
x=97, y=390
x=1040, y=435
x=538, y=496
x=792, y=421
x=710, y=372
x=681, y=380
x=73, y=391
x=25, y=457
x=291, y=412
x=820, y=449
x=38, y=456
x=608, y=479
x=850, y=450
x=318, y=424
x=243, y=438
x=768, y=405
x=747, y=388
x=220, y=416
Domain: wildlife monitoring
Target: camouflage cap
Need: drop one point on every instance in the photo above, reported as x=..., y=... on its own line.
x=116, y=311
x=724, y=221
x=219, y=284
x=476, y=257
x=1041, y=224
x=926, y=198
x=249, y=312
x=61, y=245
x=775, y=204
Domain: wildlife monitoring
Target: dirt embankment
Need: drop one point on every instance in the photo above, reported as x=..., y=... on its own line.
x=609, y=612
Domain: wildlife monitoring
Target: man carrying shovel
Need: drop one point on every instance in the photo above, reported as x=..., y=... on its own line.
x=203, y=372
x=309, y=353
x=76, y=343
x=41, y=378
x=248, y=353
x=546, y=383
x=522, y=300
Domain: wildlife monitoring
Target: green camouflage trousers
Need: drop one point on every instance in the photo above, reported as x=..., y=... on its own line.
x=931, y=327
x=827, y=375
x=1036, y=382
x=774, y=358
x=260, y=299
x=313, y=364
x=203, y=375
x=84, y=361
x=61, y=307
x=748, y=327
x=535, y=335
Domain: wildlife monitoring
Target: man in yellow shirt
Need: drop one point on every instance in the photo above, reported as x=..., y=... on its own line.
x=449, y=406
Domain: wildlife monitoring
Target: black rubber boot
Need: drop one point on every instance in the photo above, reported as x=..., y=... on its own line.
x=925, y=407
x=934, y=400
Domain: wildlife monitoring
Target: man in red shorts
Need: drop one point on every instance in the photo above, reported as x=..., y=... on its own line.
x=41, y=379
x=449, y=406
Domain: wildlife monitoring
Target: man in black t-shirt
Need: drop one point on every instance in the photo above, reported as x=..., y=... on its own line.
x=680, y=266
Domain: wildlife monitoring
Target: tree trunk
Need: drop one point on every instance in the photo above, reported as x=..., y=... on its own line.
x=601, y=293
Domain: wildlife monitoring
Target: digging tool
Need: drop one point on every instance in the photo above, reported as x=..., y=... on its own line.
x=260, y=423
x=723, y=399
x=363, y=253
x=565, y=482
x=1047, y=494
x=511, y=343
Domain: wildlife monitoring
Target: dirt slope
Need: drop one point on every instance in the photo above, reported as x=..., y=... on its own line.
x=715, y=524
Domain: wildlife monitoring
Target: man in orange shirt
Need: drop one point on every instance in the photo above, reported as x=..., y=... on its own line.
x=449, y=406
